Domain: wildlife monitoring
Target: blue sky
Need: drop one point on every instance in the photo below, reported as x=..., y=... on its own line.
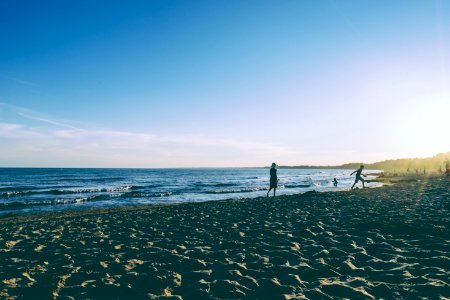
x=222, y=83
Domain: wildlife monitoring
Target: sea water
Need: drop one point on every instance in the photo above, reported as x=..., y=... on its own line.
x=24, y=190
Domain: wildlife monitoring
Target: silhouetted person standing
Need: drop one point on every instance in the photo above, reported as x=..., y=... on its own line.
x=358, y=176
x=273, y=179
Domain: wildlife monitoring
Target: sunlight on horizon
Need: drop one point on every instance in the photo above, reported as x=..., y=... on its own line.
x=423, y=129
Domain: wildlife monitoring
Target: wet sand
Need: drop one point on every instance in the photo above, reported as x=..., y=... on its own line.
x=391, y=242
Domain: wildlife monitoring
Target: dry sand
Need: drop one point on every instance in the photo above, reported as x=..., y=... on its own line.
x=392, y=242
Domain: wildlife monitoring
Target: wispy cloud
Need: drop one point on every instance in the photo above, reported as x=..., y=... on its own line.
x=45, y=120
x=24, y=82
x=20, y=81
x=104, y=147
x=33, y=115
x=17, y=132
x=196, y=139
x=78, y=133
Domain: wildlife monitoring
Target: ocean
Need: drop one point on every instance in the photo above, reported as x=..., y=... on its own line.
x=32, y=190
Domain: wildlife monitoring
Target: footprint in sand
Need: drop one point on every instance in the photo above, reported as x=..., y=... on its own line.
x=39, y=248
x=39, y=231
x=11, y=244
x=352, y=266
x=118, y=247
x=181, y=247
x=32, y=280
x=111, y=280
x=13, y=282
x=295, y=246
x=132, y=263
x=87, y=282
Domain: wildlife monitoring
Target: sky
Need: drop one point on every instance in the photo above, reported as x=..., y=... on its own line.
x=222, y=83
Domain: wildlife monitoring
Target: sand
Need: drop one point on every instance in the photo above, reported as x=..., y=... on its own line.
x=391, y=242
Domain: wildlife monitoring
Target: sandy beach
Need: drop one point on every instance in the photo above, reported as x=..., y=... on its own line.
x=391, y=242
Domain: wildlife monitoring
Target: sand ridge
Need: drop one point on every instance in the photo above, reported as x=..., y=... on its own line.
x=390, y=242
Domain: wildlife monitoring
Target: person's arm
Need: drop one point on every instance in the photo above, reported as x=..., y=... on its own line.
x=353, y=172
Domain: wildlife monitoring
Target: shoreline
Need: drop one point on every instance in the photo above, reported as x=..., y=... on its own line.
x=385, y=180
x=82, y=211
x=388, y=242
x=63, y=190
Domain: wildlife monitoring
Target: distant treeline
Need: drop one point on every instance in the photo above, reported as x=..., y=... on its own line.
x=429, y=163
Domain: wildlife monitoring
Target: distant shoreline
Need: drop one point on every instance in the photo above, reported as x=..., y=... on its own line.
x=431, y=164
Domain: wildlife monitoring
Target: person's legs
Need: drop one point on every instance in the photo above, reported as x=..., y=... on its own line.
x=360, y=179
x=274, y=190
x=356, y=181
x=268, y=192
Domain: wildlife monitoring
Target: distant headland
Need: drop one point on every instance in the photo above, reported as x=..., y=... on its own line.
x=429, y=163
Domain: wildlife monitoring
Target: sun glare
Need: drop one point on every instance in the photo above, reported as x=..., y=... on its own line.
x=424, y=127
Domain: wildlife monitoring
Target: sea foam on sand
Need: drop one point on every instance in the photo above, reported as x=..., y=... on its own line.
x=390, y=242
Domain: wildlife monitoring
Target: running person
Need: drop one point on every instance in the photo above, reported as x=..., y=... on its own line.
x=358, y=176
